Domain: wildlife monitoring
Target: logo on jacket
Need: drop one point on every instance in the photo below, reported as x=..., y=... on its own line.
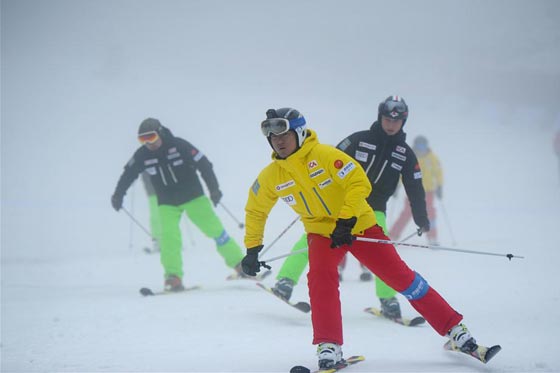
x=149, y=162
x=289, y=199
x=396, y=166
x=361, y=156
x=316, y=173
x=338, y=164
x=398, y=156
x=256, y=186
x=325, y=183
x=346, y=170
x=367, y=145
x=312, y=164
x=400, y=149
x=285, y=185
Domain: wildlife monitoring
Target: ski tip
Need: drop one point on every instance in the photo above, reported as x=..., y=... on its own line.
x=146, y=292
x=303, y=307
x=300, y=369
x=491, y=352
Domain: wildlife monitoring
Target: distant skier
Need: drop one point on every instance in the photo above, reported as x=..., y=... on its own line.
x=328, y=190
x=172, y=164
x=384, y=155
x=432, y=180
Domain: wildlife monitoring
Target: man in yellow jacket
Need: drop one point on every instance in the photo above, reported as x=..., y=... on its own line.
x=328, y=189
x=432, y=180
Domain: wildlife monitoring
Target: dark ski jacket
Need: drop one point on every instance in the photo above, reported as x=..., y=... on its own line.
x=385, y=159
x=172, y=170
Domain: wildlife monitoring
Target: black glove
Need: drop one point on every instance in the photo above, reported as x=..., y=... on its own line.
x=342, y=233
x=216, y=196
x=116, y=201
x=250, y=263
x=439, y=192
x=424, y=226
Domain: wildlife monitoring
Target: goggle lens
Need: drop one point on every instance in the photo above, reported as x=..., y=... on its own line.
x=394, y=109
x=148, y=137
x=275, y=126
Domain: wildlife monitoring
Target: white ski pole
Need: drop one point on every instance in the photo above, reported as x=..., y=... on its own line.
x=447, y=221
x=509, y=256
x=280, y=235
x=239, y=224
x=263, y=262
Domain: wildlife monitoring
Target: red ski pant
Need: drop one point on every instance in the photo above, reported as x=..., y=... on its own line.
x=384, y=261
x=406, y=213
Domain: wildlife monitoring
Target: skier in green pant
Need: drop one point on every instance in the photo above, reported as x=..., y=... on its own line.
x=385, y=156
x=172, y=164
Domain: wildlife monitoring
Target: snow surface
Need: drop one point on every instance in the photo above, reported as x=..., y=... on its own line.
x=79, y=76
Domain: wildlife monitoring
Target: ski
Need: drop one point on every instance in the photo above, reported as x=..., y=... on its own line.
x=149, y=292
x=482, y=353
x=402, y=321
x=341, y=365
x=302, y=306
x=240, y=276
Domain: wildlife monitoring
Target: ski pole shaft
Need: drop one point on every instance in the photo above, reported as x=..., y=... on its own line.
x=285, y=255
x=280, y=235
x=447, y=222
x=239, y=224
x=400, y=243
x=137, y=222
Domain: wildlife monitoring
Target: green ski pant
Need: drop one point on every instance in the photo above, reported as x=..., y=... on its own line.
x=155, y=223
x=201, y=213
x=295, y=264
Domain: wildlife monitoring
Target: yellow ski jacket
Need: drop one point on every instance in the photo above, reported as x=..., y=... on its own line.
x=432, y=175
x=319, y=182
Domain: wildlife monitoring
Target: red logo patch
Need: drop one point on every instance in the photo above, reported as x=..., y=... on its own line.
x=417, y=167
x=338, y=164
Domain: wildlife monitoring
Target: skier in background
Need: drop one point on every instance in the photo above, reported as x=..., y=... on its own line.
x=172, y=164
x=385, y=156
x=432, y=180
x=328, y=190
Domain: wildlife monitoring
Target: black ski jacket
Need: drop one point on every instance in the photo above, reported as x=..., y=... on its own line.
x=385, y=158
x=172, y=170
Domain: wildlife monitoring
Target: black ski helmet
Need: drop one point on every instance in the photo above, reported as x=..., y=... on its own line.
x=393, y=107
x=149, y=125
x=294, y=117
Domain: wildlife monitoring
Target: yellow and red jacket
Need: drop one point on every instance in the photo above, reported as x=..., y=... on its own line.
x=319, y=182
x=432, y=175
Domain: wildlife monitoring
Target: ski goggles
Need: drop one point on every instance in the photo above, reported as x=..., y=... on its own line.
x=148, y=137
x=275, y=126
x=394, y=109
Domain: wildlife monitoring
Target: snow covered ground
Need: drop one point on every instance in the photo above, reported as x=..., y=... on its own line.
x=77, y=79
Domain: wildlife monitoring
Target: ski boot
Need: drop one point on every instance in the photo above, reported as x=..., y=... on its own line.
x=462, y=339
x=390, y=308
x=329, y=355
x=284, y=288
x=173, y=283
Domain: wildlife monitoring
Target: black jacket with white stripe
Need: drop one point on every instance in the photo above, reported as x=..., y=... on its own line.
x=386, y=158
x=172, y=170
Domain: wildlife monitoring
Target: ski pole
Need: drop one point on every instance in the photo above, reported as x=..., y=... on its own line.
x=509, y=256
x=263, y=262
x=447, y=222
x=241, y=225
x=137, y=223
x=280, y=235
x=417, y=233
